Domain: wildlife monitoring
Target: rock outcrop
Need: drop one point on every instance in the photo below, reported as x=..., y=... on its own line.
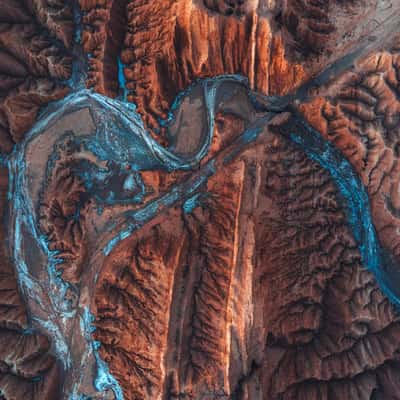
x=252, y=286
x=35, y=62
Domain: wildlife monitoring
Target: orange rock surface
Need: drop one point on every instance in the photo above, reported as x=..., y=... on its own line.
x=255, y=289
x=34, y=62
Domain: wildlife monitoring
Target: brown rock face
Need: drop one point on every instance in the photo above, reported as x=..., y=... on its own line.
x=258, y=293
x=325, y=318
x=35, y=63
x=174, y=281
x=319, y=27
x=104, y=28
x=361, y=118
x=34, y=60
x=211, y=255
x=168, y=45
x=28, y=369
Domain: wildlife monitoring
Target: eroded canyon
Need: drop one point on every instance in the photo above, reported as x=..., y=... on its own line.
x=199, y=199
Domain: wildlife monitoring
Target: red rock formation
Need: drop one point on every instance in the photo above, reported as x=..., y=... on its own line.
x=181, y=41
x=258, y=292
x=104, y=26
x=34, y=60
x=254, y=289
x=28, y=369
x=361, y=117
x=319, y=326
x=182, y=263
x=170, y=44
x=62, y=215
x=330, y=333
